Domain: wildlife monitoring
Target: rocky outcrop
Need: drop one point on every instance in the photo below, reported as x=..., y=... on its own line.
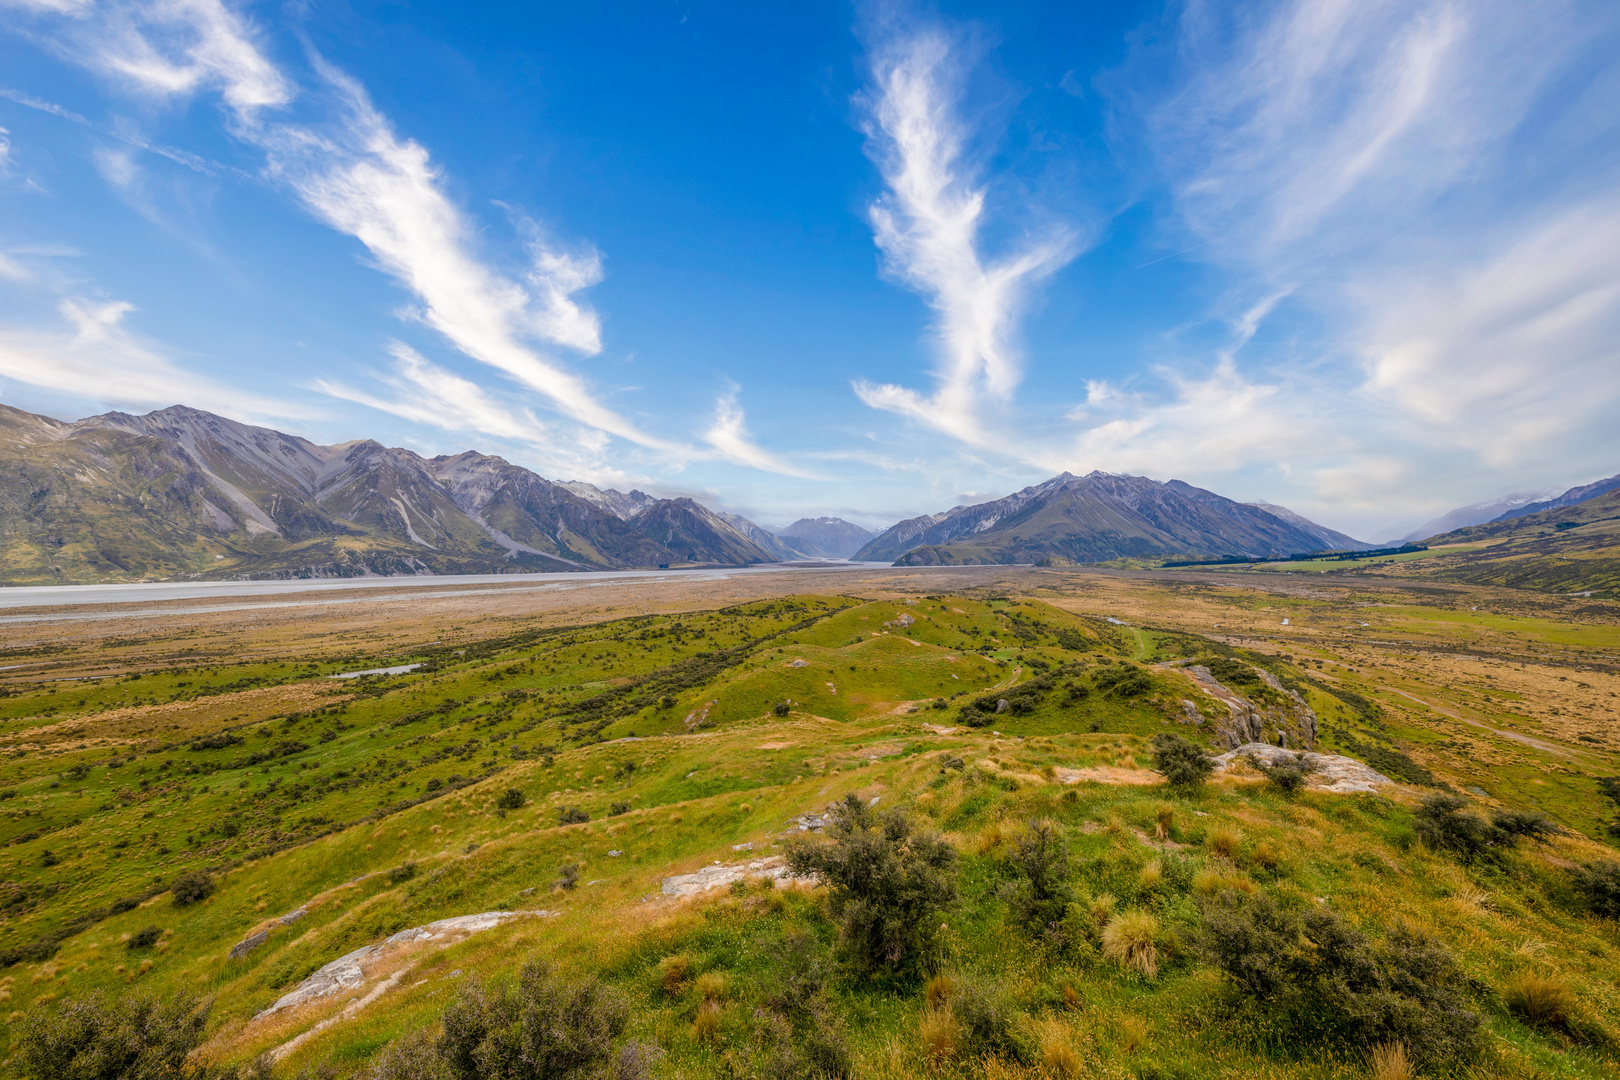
x=1330, y=772
x=1280, y=717
x=348, y=972
x=713, y=877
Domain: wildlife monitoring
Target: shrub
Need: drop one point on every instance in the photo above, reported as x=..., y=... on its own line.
x=1129, y=941
x=1042, y=894
x=572, y=815
x=887, y=884
x=433, y=784
x=781, y=708
x=618, y=808
x=1599, y=884
x=144, y=939
x=401, y=873
x=1444, y=822
x=1326, y=980
x=545, y=1028
x=94, y=1038
x=1186, y=766
x=1532, y=824
x=192, y=888
x=781, y=1051
x=568, y=876
x=1539, y=1000
x=1288, y=776
x=511, y=799
x=988, y=1021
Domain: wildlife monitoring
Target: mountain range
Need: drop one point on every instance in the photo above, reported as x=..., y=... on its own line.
x=1097, y=518
x=180, y=492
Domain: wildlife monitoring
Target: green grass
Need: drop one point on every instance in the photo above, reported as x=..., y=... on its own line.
x=550, y=714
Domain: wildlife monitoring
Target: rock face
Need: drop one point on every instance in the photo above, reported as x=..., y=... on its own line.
x=1334, y=772
x=1282, y=717
x=348, y=972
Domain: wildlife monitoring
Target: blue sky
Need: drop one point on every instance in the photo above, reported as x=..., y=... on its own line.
x=1359, y=259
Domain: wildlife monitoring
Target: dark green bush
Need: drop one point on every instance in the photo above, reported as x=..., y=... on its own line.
x=989, y=1022
x=1182, y=763
x=1445, y=822
x=618, y=808
x=1041, y=895
x=144, y=939
x=128, y=1038
x=511, y=799
x=781, y=708
x=1531, y=824
x=401, y=873
x=545, y=1028
x=1123, y=680
x=192, y=888
x=572, y=815
x=1599, y=885
x=887, y=884
x=1286, y=776
x=1322, y=980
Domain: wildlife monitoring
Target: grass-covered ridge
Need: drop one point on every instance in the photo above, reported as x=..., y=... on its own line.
x=684, y=738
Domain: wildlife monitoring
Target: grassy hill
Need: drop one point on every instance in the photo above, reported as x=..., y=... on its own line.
x=1568, y=549
x=656, y=745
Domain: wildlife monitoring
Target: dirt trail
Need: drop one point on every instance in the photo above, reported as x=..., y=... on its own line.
x=1527, y=740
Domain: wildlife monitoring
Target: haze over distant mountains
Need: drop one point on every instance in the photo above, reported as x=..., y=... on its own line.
x=185, y=493
x=1507, y=507
x=1099, y=517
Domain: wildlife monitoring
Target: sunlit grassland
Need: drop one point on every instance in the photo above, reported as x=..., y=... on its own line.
x=677, y=776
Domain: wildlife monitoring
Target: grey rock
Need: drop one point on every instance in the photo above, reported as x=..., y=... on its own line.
x=248, y=944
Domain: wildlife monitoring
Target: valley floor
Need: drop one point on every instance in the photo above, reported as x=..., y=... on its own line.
x=559, y=754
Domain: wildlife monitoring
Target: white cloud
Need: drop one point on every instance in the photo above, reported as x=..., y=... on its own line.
x=97, y=358
x=1410, y=180
x=173, y=47
x=729, y=435
x=928, y=226
x=362, y=179
x=359, y=177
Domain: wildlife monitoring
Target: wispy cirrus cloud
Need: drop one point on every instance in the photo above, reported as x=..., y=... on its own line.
x=93, y=355
x=929, y=225
x=357, y=175
x=1429, y=184
x=729, y=436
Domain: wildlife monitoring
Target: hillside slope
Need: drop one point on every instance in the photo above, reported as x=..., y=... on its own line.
x=579, y=785
x=1567, y=549
x=1093, y=518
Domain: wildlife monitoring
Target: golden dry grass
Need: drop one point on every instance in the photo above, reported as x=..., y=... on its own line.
x=1129, y=940
x=1389, y=1061
x=939, y=1035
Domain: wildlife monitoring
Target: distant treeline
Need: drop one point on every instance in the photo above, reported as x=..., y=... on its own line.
x=1306, y=556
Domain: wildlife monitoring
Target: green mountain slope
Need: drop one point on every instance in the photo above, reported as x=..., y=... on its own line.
x=1567, y=549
